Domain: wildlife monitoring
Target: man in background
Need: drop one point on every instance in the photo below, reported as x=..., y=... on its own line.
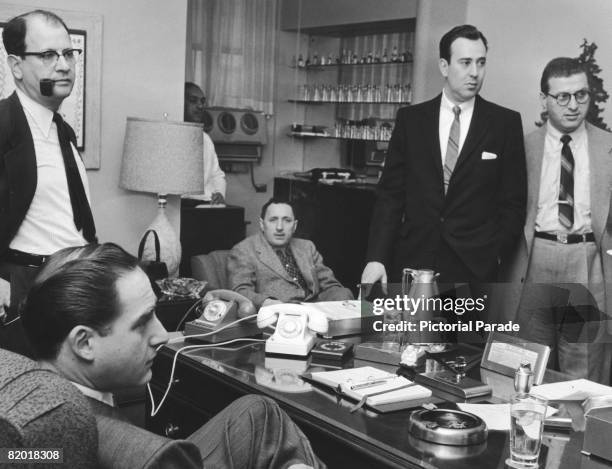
x=44, y=194
x=274, y=267
x=452, y=192
x=214, y=177
x=565, y=239
x=90, y=316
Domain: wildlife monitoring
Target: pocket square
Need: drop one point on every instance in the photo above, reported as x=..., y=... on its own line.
x=488, y=156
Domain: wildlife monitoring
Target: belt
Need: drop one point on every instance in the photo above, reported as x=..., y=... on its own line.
x=24, y=258
x=565, y=238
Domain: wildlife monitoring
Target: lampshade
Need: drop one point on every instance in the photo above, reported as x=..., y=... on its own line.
x=163, y=157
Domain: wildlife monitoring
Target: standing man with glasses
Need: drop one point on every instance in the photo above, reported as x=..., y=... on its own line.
x=569, y=170
x=44, y=194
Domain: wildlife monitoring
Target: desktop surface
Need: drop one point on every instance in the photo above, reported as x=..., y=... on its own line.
x=206, y=380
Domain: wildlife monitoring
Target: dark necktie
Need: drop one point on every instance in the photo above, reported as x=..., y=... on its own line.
x=566, y=184
x=290, y=265
x=452, y=149
x=81, y=212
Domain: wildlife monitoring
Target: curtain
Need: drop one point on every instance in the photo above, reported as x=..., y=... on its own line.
x=230, y=51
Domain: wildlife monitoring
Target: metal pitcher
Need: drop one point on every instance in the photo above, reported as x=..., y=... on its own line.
x=420, y=285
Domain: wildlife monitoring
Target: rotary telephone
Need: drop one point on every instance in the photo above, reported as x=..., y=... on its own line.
x=218, y=309
x=296, y=327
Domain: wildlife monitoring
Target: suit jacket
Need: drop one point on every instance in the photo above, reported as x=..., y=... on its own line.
x=481, y=216
x=255, y=271
x=39, y=409
x=600, y=169
x=18, y=173
x=124, y=445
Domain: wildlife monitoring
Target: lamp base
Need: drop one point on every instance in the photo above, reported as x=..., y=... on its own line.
x=170, y=247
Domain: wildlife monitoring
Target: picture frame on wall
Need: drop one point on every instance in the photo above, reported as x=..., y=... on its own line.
x=82, y=108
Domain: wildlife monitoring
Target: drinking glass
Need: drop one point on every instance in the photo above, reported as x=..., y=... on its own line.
x=526, y=423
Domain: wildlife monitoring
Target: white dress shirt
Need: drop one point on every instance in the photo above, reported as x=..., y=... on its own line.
x=105, y=397
x=214, y=177
x=547, y=216
x=447, y=116
x=48, y=224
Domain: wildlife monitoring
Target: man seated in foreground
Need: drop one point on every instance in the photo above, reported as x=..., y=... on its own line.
x=274, y=267
x=90, y=316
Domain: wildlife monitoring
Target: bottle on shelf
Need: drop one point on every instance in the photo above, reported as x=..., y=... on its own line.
x=300, y=61
x=370, y=57
x=394, y=55
x=315, y=59
x=376, y=57
x=385, y=57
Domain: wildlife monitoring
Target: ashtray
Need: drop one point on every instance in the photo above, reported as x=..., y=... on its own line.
x=447, y=427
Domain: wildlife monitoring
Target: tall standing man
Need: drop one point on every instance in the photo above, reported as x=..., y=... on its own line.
x=452, y=192
x=569, y=169
x=214, y=177
x=44, y=202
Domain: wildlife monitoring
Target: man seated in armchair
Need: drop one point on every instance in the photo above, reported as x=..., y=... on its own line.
x=90, y=317
x=274, y=267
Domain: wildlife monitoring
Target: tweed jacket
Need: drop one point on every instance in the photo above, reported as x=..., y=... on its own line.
x=255, y=271
x=39, y=409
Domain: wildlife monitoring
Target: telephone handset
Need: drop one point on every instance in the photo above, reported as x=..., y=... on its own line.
x=296, y=327
x=218, y=309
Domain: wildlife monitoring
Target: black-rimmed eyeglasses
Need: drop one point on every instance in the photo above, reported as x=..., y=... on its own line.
x=50, y=57
x=563, y=99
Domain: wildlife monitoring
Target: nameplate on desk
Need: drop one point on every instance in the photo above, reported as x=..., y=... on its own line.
x=505, y=353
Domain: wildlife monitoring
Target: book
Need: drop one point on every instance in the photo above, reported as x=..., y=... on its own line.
x=371, y=387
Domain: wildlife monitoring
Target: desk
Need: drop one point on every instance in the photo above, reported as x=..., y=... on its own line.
x=209, y=379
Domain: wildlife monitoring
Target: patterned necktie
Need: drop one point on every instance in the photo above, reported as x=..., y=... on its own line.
x=81, y=212
x=566, y=184
x=290, y=265
x=452, y=149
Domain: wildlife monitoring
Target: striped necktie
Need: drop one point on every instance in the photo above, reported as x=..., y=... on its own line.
x=566, y=184
x=452, y=149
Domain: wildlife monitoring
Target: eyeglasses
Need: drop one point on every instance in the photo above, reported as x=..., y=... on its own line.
x=196, y=100
x=563, y=99
x=50, y=57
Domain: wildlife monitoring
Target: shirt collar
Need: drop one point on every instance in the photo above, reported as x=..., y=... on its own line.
x=104, y=397
x=554, y=133
x=42, y=116
x=448, y=105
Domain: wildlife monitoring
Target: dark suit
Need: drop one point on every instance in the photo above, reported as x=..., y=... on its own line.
x=18, y=173
x=463, y=234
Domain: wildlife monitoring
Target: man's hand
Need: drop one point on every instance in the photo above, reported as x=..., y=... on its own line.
x=217, y=198
x=5, y=298
x=373, y=272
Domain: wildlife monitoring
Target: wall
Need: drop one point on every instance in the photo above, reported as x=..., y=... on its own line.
x=525, y=34
x=314, y=13
x=143, y=69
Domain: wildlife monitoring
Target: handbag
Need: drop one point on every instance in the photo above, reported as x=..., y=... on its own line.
x=155, y=269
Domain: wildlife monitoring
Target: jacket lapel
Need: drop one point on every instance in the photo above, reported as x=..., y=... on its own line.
x=600, y=169
x=479, y=126
x=268, y=257
x=534, y=154
x=431, y=126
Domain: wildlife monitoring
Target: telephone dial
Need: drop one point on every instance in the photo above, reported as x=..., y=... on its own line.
x=218, y=309
x=296, y=327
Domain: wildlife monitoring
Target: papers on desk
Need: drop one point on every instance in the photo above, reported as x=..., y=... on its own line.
x=496, y=416
x=574, y=390
x=372, y=387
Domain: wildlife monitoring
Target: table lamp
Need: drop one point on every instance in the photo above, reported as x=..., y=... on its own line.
x=162, y=157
